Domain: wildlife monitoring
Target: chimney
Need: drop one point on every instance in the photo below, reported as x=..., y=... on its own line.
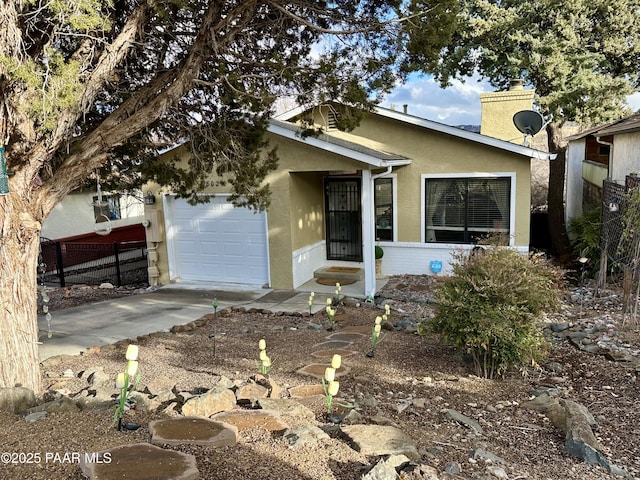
x=405, y=107
x=498, y=109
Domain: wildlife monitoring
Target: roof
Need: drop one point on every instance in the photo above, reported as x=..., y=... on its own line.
x=446, y=129
x=355, y=151
x=628, y=124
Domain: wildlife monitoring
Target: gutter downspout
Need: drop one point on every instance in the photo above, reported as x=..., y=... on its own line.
x=369, y=230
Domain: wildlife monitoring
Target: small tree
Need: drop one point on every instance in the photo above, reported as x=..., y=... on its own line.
x=489, y=308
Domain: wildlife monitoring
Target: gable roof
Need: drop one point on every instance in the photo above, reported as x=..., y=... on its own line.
x=628, y=124
x=446, y=129
x=370, y=156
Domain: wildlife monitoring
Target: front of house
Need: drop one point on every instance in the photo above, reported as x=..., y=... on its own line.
x=419, y=189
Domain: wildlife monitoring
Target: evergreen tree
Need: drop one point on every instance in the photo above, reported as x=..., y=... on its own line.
x=581, y=56
x=89, y=85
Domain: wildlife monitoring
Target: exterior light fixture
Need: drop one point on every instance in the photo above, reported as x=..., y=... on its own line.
x=149, y=198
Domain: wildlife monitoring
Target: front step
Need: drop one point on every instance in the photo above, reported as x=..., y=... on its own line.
x=340, y=273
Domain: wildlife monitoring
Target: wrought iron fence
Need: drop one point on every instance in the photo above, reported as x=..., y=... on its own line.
x=67, y=263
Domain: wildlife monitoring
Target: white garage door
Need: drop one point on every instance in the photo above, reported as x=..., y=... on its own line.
x=217, y=242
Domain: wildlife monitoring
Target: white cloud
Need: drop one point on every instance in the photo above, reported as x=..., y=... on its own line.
x=458, y=104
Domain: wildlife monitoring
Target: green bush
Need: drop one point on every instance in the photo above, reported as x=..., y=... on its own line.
x=585, y=230
x=379, y=252
x=490, y=306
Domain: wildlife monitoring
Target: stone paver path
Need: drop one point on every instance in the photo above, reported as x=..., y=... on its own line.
x=141, y=461
x=193, y=430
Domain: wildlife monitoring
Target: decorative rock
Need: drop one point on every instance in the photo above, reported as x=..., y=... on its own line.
x=68, y=373
x=386, y=469
x=353, y=418
x=380, y=420
x=249, y=392
x=96, y=376
x=453, y=468
x=194, y=431
x=64, y=404
x=218, y=399
x=380, y=440
x=481, y=453
x=107, y=285
x=141, y=461
x=304, y=435
x=368, y=401
x=16, y=399
x=159, y=384
x=275, y=390
x=246, y=419
x=497, y=472
x=420, y=402
x=34, y=417
x=290, y=410
x=464, y=420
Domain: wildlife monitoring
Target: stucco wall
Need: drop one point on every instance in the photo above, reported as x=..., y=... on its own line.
x=75, y=215
x=437, y=153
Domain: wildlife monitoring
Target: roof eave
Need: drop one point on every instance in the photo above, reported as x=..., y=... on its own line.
x=337, y=149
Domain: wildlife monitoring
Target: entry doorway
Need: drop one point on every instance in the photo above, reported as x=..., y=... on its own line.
x=343, y=213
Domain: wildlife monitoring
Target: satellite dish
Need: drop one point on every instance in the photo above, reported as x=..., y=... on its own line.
x=528, y=122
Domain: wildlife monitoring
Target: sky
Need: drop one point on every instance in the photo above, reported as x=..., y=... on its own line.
x=458, y=104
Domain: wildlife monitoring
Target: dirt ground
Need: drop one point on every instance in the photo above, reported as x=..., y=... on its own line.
x=411, y=382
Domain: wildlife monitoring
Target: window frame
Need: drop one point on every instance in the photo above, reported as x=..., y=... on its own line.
x=101, y=214
x=467, y=175
x=394, y=207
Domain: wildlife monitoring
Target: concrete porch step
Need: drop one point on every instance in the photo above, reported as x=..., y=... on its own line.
x=340, y=273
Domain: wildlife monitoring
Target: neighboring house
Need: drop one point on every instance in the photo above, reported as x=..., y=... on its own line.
x=604, y=152
x=80, y=215
x=417, y=188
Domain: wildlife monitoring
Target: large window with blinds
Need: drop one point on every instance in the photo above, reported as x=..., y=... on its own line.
x=463, y=210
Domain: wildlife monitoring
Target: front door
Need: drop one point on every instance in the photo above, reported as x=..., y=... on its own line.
x=343, y=213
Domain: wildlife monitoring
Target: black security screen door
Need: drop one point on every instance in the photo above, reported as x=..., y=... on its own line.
x=344, y=219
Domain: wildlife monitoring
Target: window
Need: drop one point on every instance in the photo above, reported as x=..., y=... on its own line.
x=109, y=209
x=383, y=199
x=463, y=210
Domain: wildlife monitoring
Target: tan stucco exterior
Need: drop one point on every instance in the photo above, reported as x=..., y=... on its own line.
x=296, y=219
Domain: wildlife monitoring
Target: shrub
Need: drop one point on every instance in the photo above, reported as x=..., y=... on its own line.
x=586, y=232
x=489, y=308
x=379, y=252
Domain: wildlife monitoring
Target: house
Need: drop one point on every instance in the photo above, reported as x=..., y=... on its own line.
x=419, y=189
x=604, y=152
x=81, y=216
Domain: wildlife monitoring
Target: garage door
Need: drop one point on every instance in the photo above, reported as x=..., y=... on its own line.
x=217, y=242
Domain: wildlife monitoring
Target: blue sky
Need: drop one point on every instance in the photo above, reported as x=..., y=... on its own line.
x=455, y=105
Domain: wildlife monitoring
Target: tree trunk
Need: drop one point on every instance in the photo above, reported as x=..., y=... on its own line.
x=19, y=244
x=557, y=231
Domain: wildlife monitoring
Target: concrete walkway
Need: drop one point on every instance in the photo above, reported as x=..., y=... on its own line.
x=76, y=329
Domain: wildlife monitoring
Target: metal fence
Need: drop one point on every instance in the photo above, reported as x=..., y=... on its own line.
x=68, y=263
x=620, y=241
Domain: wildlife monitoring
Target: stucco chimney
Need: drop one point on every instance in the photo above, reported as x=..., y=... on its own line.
x=498, y=109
